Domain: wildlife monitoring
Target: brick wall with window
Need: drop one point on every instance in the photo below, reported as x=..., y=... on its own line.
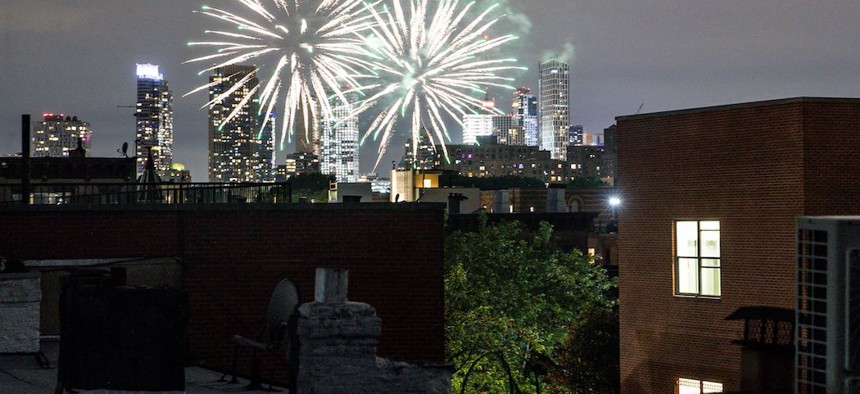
x=739, y=174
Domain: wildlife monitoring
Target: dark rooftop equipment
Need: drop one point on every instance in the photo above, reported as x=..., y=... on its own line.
x=117, y=337
x=767, y=349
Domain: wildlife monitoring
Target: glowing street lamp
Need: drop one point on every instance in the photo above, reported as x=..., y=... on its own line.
x=614, y=203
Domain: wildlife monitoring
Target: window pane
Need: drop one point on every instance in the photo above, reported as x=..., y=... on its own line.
x=688, y=276
x=687, y=234
x=710, y=244
x=711, y=387
x=710, y=225
x=710, y=281
x=711, y=263
x=689, y=386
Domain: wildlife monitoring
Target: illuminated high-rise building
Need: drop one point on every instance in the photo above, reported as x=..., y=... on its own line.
x=554, y=108
x=476, y=125
x=238, y=150
x=525, y=114
x=56, y=135
x=339, y=141
x=154, y=113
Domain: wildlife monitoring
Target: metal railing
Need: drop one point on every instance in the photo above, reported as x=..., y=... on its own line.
x=148, y=193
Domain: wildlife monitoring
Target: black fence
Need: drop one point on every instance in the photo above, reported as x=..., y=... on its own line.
x=147, y=193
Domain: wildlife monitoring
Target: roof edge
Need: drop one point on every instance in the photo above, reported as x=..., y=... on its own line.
x=752, y=104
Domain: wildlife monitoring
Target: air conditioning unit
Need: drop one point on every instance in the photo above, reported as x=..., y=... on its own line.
x=828, y=305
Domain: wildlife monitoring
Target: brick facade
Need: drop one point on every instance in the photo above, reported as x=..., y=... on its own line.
x=754, y=167
x=234, y=256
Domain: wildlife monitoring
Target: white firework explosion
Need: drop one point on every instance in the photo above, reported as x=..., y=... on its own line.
x=438, y=64
x=316, y=45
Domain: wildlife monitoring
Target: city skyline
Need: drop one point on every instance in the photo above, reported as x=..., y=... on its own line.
x=664, y=56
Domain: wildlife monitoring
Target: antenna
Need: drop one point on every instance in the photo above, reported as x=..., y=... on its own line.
x=639, y=109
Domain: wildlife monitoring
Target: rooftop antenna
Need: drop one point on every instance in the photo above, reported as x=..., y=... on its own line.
x=639, y=109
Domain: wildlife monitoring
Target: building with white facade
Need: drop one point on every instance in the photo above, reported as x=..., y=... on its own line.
x=554, y=108
x=339, y=140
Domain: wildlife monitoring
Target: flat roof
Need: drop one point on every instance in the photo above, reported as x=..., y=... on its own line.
x=751, y=104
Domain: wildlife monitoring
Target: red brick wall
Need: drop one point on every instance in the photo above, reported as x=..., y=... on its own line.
x=746, y=166
x=233, y=257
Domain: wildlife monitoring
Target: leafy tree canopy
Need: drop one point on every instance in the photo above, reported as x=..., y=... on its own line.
x=510, y=298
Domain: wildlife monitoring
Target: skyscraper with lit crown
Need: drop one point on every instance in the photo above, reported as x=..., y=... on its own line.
x=154, y=113
x=554, y=108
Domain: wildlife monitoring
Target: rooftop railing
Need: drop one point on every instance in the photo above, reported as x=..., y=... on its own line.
x=147, y=193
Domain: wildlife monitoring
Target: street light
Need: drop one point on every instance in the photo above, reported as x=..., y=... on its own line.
x=614, y=203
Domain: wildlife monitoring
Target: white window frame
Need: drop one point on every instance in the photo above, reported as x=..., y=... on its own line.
x=698, y=257
x=702, y=385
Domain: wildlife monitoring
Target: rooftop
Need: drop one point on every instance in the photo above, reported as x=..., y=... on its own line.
x=753, y=104
x=22, y=374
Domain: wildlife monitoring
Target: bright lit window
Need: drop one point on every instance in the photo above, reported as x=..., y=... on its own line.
x=693, y=386
x=697, y=258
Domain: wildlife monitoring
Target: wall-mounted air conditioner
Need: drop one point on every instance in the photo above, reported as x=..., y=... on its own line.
x=828, y=305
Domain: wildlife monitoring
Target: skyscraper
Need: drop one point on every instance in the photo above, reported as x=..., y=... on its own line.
x=554, y=108
x=154, y=113
x=476, y=125
x=238, y=150
x=56, y=135
x=525, y=114
x=339, y=141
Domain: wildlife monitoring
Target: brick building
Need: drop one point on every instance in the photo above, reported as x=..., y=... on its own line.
x=231, y=257
x=708, y=226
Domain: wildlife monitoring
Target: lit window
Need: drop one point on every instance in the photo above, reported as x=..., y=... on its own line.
x=693, y=386
x=697, y=258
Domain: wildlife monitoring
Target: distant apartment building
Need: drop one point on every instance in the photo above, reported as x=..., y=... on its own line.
x=476, y=125
x=154, y=117
x=57, y=135
x=554, y=108
x=425, y=156
x=503, y=127
x=525, y=114
x=239, y=150
x=707, y=231
x=590, y=161
x=339, y=140
x=575, y=135
x=489, y=159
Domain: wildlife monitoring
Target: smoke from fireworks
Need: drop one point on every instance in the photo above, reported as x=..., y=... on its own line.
x=316, y=46
x=438, y=64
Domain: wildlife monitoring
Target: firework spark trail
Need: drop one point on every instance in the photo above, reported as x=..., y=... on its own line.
x=434, y=60
x=317, y=44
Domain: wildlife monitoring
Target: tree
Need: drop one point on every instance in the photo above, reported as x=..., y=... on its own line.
x=588, y=361
x=510, y=297
x=314, y=186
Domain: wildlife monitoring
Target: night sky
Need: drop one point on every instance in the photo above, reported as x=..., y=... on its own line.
x=77, y=57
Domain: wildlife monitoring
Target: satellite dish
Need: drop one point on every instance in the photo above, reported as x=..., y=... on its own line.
x=125, y=149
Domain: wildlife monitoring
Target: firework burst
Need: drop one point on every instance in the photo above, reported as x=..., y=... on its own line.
x=316, y=48
x=438, y=65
